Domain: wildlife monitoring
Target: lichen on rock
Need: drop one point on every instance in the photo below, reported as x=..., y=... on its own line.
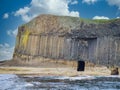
x=25, y=37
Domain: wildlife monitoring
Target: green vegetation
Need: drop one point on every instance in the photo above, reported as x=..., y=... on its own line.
x=97, y=21
x=91, y=21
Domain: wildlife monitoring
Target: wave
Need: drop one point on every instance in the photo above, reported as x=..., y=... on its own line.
x=86, y=77
x=14, y=82
x=76, y=78
x=111, y=76
x=7, y=76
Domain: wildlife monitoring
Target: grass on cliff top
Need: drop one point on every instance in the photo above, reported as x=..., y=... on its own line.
x=97, y=21
x=89, y=21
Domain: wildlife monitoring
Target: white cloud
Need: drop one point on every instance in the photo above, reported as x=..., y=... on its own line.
x=5, y=16
x=36, y=7
x=6, y=52
x=23, y=12
x=100, y=17
x=1, y=45
x=6, y=45
x=114, y=2
x=12, y=32
x=74, y=2
x=89, y=1
x=118, y=17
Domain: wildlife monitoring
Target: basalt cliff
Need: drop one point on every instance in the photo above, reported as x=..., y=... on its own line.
x=68, y=38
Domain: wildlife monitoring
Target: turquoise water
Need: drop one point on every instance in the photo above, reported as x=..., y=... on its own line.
x=15, y=82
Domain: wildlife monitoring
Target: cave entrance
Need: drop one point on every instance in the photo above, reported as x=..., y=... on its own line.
x=81, y=66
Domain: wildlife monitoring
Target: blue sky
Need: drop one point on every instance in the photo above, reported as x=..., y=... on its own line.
x=14, y=13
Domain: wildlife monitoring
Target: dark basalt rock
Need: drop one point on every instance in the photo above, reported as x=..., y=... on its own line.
x=115, y=71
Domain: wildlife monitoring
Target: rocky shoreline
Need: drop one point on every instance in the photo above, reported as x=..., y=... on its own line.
x=54, y=69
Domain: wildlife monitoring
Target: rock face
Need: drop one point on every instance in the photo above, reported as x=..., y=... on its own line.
x=69, y=38
x=115, y=71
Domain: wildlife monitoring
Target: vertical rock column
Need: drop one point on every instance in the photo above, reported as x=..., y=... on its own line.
x=58, y=47
x=38, y=45
x=114, y=51
x=48, y=46
x=21, y=45
x=74, y=49
x=17, y=44
x=34, y=40
x=92, y=44
x=103, y=51
x=28, y=45
x=117, y=54
x=17, y=47
x=61, y=47
x=45, y=46
x=67, y=48
x=41, y=46
x=51, y=46
x=54, y=47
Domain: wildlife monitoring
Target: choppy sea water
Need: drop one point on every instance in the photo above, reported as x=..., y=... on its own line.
x=15, y=82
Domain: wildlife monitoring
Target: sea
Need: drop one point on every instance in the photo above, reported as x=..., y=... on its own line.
x=18, y=82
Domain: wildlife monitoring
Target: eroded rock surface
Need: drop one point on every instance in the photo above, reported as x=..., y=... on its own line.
x=69, y=38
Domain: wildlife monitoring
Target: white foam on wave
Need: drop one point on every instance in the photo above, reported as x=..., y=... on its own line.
x=111, y=76
x=28, y=85
x=6, y=81
x=7, y=76
x=62, y=77
x=77, y=78
x=86, y=77
x=71, y=78
x=82, y=78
